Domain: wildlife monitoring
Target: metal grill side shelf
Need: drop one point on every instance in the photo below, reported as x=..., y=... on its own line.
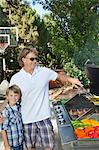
x=65, y=128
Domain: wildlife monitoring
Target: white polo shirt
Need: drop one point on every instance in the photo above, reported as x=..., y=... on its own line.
x=35, y=95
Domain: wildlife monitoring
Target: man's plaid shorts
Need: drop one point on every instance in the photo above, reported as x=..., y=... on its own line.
x=39, y=134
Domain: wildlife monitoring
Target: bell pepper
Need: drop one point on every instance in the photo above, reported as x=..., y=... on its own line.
x=77, y=124
x=91, y=133
x=97, y=130
x=94, y=135
x=88, y=128
x=96, y=127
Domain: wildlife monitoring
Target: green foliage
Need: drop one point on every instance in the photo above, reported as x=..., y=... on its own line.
x=42, y=45
x=11, y=56
x=73, y=26
x=69, y=32
x=84, y=29
x=25, y=19
x=72, y=70
x=4, y=21
x=57, y=50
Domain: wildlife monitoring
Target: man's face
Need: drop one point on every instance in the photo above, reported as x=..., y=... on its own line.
x=30, y=61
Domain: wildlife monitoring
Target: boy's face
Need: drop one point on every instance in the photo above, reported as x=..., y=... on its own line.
x=12, y=97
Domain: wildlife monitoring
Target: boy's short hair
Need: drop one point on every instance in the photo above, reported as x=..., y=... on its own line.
x=15, y=89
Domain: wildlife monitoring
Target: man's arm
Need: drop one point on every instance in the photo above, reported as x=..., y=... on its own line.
x=5, y=140
x=1, y=119
x=64, y=78
x=3, y=105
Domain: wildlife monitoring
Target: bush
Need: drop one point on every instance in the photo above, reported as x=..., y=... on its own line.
x=72, y=70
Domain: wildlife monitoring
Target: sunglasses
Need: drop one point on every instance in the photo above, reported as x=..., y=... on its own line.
x=32, y=58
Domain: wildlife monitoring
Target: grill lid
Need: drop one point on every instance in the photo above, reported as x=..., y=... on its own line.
x=78, y=102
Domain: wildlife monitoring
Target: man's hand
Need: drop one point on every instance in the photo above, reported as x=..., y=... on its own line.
x=65, y=78
x=7, y=147
x=1, y=119
x=75, y=81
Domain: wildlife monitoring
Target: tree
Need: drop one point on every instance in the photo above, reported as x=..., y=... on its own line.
x=57, y=42
x=84, y=29
x=3, y=17
x=79, y=27
x=23, y=17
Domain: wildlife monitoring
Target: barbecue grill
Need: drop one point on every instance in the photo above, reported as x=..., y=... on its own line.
x=92, y=72
x=69, y=140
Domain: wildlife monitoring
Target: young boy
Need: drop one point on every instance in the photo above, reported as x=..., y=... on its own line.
x=12, y=126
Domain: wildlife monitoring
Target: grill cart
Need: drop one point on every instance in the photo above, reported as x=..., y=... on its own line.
x=75, y=110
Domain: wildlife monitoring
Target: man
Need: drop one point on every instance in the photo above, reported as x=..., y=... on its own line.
x=33, y=81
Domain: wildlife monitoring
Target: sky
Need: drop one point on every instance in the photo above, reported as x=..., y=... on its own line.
x=37, y=7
